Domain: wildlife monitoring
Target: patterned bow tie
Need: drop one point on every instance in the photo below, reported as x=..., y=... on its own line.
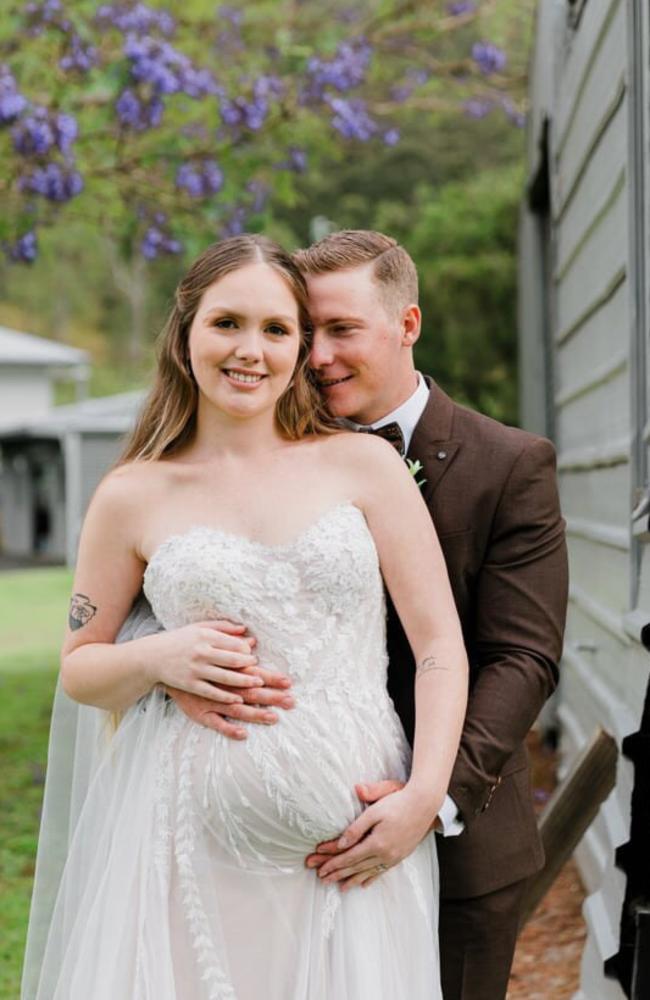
x=390, y=432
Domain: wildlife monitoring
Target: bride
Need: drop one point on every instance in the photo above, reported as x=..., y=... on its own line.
x=238, y=501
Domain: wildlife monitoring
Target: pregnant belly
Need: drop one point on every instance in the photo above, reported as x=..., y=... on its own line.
x=268, y=800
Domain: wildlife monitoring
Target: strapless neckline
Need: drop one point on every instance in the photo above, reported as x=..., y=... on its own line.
x=278, y=547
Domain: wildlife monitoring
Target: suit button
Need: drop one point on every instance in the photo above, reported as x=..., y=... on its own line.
x=441, y=456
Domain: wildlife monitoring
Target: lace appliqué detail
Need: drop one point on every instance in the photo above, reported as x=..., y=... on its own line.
x=214, y=976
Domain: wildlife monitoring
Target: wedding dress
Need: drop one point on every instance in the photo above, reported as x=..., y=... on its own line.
x=185, y=876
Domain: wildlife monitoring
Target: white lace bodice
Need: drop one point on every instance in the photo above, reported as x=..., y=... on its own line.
x=316, y=606
x=311, y=603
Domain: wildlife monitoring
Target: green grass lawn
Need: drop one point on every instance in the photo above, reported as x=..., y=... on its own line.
x=33, y=605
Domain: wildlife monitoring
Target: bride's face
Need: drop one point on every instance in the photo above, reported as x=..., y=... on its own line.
x=244, y=341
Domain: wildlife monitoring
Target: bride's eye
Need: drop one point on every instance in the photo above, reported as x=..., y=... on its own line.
x=225, y=323
x=277, y=329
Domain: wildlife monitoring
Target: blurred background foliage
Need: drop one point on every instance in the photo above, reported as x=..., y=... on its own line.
x=448, y=191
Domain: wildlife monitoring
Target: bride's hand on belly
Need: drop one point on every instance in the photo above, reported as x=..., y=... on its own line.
x=194, y=658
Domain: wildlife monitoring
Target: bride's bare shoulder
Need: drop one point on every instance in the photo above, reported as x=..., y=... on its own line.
x=132, y=485
x=360, y=450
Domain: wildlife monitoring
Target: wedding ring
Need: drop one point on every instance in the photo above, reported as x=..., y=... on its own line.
x=381, y=867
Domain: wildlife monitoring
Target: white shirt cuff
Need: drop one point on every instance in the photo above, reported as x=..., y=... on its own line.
x=450, y=819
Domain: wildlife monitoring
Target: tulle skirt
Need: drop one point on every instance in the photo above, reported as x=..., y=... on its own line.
x=184, y=879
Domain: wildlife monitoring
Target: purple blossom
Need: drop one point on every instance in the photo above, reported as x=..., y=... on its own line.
x=391, y=137
x=251, y=112
x=12, y=103
x=46, y=13
x=266, y=87
x=157, y=241
x=65, y=130
x=165, y=69
x=461, y=7
x=351, y=118
x=198, y=83
x=54, y=182
x=78, y=56
x=200, y=180
x=297, y=161
x=189, y=178
x=235, y=224
x=46, y=9
x=260, y=193
x=488, y=57
x=34, y=135
x=135, y=18
x=239, y=112
x=137, y=114
x=212, y=177
x=40, y=130
x=345, y=70
x=478, y=107
x=152, y=62
x=25, y=249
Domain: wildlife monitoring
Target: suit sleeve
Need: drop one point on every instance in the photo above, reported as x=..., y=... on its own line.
x=520, y=615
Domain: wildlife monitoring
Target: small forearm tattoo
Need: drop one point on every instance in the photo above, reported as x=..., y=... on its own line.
x=427, y=664
x=81, y=611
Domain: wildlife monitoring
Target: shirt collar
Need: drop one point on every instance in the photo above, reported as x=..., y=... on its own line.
x=407, y=415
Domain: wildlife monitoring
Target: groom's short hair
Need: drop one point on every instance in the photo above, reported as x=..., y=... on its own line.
x=393, y=270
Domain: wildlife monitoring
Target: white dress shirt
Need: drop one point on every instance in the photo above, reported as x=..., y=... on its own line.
x=407, y=416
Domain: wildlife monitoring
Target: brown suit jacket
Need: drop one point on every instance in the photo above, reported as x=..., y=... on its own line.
x=492, y=494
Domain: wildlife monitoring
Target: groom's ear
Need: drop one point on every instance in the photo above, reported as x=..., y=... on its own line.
x=411, y=325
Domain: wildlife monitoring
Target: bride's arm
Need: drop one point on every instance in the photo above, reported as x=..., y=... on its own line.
x=415, y=574
x=107, y=579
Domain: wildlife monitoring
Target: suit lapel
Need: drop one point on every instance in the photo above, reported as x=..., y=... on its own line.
x=432, y=443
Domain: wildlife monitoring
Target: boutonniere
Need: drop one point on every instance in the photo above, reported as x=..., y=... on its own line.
x=415, y=468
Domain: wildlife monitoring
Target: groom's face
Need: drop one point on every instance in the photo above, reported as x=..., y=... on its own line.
x=360, y=356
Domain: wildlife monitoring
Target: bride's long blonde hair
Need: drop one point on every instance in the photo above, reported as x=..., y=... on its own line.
x=168, y=418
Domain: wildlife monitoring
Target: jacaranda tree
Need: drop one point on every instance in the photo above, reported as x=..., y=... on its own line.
x=167, y=126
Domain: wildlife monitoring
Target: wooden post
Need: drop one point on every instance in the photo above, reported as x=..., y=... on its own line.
x=571, y=810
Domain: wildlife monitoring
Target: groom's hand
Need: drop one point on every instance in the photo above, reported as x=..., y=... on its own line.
x=256, y=706
x=367, y=794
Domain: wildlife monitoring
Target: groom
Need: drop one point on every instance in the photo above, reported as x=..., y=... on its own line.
x=491, y=492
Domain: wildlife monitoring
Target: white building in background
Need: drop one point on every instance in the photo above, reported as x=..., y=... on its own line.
x=585, y=287
x=31, y=485
x=51, y=466
x=30, y=367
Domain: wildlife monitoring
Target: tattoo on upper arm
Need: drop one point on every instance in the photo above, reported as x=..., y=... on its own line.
x=428, y=663
x=81, y=611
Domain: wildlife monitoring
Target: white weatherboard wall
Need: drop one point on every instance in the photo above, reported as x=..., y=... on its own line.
x=589, y=81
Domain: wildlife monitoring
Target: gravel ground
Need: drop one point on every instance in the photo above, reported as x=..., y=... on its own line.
x=547, y=961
